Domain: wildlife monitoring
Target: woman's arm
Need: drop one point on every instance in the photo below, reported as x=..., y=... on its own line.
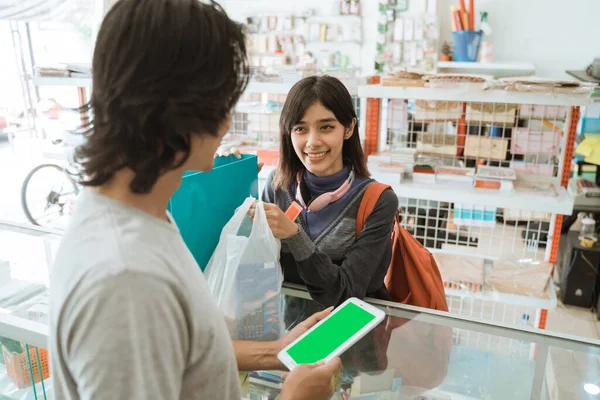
x=329, y=283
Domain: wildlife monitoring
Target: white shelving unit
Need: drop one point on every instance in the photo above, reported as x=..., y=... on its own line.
x=409, y=116
x=62, y=81
x=459, y=192
x=508, y=298
x=493, y=68
x=471, y=93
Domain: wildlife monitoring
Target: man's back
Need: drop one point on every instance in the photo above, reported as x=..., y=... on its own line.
x=131, y=314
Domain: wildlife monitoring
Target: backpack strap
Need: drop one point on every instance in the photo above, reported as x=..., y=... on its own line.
x=367, y=204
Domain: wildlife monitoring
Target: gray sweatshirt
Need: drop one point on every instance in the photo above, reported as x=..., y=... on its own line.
x=334, y=264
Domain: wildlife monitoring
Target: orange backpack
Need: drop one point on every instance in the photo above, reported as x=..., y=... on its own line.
x=413, y=277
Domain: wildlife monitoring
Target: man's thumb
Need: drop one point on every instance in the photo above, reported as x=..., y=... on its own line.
x=332, y=366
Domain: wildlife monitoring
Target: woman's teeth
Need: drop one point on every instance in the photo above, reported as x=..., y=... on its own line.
x=316, y=155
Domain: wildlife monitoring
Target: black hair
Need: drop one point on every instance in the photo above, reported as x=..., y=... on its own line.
x=162, y=70
x=334, y=96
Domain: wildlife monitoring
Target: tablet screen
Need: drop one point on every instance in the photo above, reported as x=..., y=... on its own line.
x=331, y=334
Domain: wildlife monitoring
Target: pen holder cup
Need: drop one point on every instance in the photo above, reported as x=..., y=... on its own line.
x=466, y=45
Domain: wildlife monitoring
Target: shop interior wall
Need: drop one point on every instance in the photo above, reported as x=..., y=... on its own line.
x=553, y=34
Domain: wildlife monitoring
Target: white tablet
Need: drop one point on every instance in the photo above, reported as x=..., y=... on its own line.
x=333, y=335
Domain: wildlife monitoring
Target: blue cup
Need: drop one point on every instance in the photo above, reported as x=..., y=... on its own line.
x=466, y=45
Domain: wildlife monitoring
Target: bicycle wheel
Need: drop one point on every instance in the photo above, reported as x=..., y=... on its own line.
x=45, y=192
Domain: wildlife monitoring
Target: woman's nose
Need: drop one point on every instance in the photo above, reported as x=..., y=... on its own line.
x=314, y=139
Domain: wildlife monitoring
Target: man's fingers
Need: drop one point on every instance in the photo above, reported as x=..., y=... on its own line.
x=313, y=319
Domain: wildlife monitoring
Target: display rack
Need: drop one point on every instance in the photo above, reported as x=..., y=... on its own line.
x=468, y=126
x=408, y=35
x=299, y=40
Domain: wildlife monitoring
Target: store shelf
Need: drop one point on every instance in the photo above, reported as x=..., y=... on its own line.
x=467, y=194
x=265, y=171
x=62, y=81
x=335, y=17
x=285, y=87
x=334, y=42
x=508, y=298
x=471, y=93
x=269, y=87
x=492, y=66
x=24, y=330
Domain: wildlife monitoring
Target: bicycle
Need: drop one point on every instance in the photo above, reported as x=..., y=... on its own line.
x=47, y=192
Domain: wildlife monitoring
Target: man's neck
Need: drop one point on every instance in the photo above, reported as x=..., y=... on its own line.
x=154, y=203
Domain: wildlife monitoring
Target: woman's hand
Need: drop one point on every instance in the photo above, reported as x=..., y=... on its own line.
x=238, y=154
x=281, y=226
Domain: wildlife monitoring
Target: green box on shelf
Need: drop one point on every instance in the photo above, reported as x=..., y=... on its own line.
x=206, y=201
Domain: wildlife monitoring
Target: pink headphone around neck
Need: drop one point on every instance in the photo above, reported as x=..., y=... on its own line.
x=325, y=199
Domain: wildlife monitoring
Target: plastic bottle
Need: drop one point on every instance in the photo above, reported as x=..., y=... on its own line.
x=485, y=49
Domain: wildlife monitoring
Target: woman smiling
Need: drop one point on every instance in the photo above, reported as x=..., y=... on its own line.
x=322, y=168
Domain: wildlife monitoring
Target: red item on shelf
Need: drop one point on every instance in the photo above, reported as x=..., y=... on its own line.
x=268, y=156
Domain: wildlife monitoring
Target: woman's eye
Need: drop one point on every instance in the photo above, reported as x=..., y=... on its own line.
x=298, y=129
x=327, y=127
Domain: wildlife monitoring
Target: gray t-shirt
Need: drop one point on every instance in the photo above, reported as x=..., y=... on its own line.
x=131, y=314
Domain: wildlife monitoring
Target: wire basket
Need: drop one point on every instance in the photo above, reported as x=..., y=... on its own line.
x=19, y=369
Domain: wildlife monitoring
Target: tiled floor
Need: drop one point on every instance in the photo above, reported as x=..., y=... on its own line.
x=575, y=321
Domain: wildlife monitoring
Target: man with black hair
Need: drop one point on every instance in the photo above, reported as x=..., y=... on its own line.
x=131, y=314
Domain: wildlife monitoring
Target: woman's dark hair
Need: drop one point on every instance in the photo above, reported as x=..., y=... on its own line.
x=334, y=96
x=162, y=71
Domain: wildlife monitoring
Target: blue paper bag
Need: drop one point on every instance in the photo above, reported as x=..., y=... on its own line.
x=206, y=201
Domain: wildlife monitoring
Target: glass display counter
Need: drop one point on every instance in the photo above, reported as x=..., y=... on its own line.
x=413, y=354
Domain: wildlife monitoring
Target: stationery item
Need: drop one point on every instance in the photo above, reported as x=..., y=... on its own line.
x=323, y=33
x=452, y=20
x=403, y=78
x=497, y=113
x=419, y=54
x=458, y=24
x=418, y=29
x=472, y=14
x=399, y=30
x=293, y=211
x=409, y=29
x=521, y=277
x=463, y=9
x=535, y=141
x=431, y=110
x=466, y=21
x=474, y=215
x=485, y=172
x=412, y=54
x=205, y=201
x=543, y=188
x=461, y=272
x=495, y=178
x=455, y=174
x=396, y=53
x=489, y=148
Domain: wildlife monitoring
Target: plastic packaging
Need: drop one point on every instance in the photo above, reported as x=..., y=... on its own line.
x=244, y=276
x=523, y=277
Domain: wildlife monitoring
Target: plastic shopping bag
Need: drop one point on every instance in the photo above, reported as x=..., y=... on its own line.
x=245, y=277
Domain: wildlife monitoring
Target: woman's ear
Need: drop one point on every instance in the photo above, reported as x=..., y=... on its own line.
x=350, y=129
